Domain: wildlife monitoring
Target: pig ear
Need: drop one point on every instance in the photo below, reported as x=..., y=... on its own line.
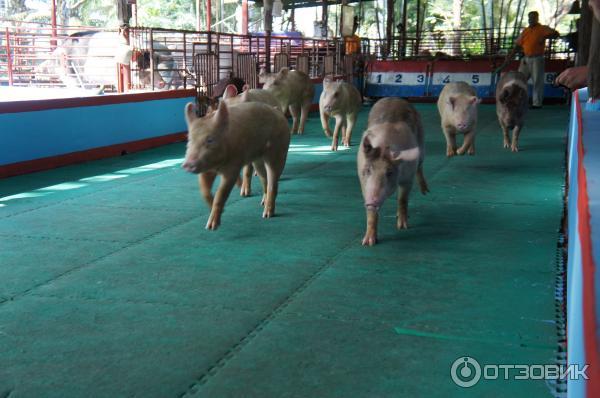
x=366, y=145
x=475, y=100
x=230, y=91
x=452, y=101
x=190, y=113
x=407, y=155
x=327, y=80
x=221, y=118
x=370, y=151
x=246, y=87
x=284, y=71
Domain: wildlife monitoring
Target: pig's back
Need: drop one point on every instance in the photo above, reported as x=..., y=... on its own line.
x=259, y=95
x=512, y=76
x=453, y=89
x=301, y=85
x=394, y=111
x=457, y=88
x=255, y=128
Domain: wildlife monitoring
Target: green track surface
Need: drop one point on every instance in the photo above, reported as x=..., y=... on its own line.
x=111, y=286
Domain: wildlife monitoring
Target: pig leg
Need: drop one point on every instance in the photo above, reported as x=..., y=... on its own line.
x=450, y=135
x=402, y=213
x=421, y=180
x=259, y=166
x=336, y=132
x=468, y=144
x=515, y=139
x=246, y=189
x=274, y=165
x=506, y=139
x=303, y=116
x=227, y=183
x=205, y=181
x=350, y=121
x=294, y=111
x=370, y=237
x=325, y=123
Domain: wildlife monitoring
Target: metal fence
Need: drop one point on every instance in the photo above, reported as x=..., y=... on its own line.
x=150, y=58
x=463, y=44
x=37, y=55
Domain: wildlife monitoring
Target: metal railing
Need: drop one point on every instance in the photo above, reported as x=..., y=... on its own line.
x=36, y=55
x=462, y=44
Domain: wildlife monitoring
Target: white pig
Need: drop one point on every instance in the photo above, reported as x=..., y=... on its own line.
x=391, y=153
x=457, y=105
x=294, y=91
x=342, y=101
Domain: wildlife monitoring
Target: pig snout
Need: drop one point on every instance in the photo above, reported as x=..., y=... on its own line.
x=373, y=204
x=462, y=126
x=190, y=166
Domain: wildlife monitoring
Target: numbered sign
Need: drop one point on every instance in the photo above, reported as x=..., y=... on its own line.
x=474, y=79
x=408, y=79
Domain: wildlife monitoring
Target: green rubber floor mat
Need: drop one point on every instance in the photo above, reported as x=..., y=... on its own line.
x=111, y=286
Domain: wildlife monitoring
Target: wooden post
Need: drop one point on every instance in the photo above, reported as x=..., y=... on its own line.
x=268, y=14
x=325, y=29
x=404, y=19
x=389, y=28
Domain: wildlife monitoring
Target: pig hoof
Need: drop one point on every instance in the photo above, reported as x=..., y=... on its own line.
x=471, y=152
x=460, y=151
x=424, y=189
x=327, y=134
x=369, y=240
x=245, y=192
x=268, y=213
x=212, y=225
x=514, y=148
x=402, y=224
x=450, y=153
x=506, y=145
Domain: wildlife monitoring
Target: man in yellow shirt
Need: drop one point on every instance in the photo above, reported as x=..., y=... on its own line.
x=532, y=41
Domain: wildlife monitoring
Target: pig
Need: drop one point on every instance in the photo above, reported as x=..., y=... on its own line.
x=249, y=95
x=458, y=110
x=342, y=101
x=391, y=153
x=294, y=91
x=512, y=100
x=225, y=140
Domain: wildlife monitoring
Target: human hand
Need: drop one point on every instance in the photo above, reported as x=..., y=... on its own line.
x=573, y=78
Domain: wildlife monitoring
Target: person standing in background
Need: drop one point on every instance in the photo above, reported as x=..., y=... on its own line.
x=532, y=41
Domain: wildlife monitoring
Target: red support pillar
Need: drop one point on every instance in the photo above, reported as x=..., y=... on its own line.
x=53, y=21
x=245, y=17
x=208, y=16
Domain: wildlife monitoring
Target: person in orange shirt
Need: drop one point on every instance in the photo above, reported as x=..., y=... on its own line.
x=352, y=43
x=532, y=41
